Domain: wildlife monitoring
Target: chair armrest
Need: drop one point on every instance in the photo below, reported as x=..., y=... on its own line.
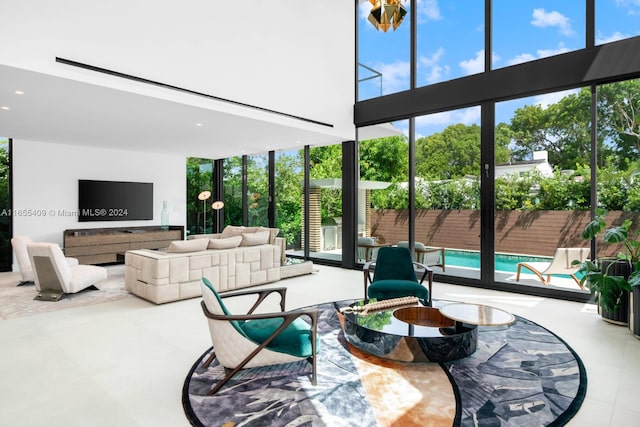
x=427, y=273
x=262, y=295
x=366, y=269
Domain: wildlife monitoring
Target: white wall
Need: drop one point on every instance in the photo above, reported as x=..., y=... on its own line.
x=45, y=180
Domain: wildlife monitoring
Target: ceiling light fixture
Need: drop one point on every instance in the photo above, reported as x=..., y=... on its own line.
x=4, y=107
x=19, y=92
x=387, y=13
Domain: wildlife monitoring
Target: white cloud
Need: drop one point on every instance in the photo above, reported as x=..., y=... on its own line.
x=552, y=19
x=600, y=39
x=430, y=67
x=395, y=76
x=429, y=10
x=474, y=65
x=540, y=53
x=467, y=116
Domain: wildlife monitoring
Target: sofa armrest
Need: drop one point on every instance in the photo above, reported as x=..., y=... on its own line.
x=281, y=242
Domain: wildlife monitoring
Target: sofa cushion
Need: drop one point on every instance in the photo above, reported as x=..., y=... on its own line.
x=254, y=239
x=236, y=230
x=195, y=245
x=225, y=243
x=273, y=233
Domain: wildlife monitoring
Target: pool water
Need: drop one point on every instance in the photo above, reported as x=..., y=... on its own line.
x=504, y=262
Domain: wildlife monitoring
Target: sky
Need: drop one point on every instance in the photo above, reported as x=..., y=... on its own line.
x=451, y=45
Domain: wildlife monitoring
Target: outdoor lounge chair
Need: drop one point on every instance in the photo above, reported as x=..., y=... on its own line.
x=427, y=255
x=252, y=340
x=562, y=263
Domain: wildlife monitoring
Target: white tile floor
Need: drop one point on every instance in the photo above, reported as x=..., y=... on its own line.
x=123, y=363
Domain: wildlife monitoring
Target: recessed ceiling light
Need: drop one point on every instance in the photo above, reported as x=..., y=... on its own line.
x=19, y=92
x=199, y=124
x=4, y=107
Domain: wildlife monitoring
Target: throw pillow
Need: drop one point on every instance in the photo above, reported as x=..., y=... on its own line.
x=228, y=243
x=254, y=239
x=195, y=245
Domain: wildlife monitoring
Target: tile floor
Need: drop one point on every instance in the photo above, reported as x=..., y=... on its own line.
x=123, y=363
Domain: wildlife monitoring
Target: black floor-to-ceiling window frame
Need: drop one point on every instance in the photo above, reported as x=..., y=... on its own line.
x=586, y=67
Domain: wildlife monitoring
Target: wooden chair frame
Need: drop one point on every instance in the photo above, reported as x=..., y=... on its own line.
x=288, y=316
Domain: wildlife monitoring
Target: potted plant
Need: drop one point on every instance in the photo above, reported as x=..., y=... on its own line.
x=611, y=280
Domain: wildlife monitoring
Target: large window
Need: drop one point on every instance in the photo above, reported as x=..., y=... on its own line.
x=199, y=199
x=447, y=164
x=6, y=254
x=616, y=20
x=450, y=40
x=289, y=179
x=526, y=30
x=542, y=182
x=233, y=172
x=258, y=190
x=384, y=56
x=383, y=191
x=325, y=202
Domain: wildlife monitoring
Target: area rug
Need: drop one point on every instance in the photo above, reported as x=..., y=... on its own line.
x=17, y=301
x=521, y=375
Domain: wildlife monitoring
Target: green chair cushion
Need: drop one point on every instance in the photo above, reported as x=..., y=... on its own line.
x=295, y=339
x=393, y=288
x=394, y=263
x=236, y=323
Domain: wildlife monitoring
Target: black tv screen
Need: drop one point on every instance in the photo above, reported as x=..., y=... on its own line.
x=114, y=200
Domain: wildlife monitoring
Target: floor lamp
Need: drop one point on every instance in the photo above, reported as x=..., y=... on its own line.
x=217, y=206
x=204, y=196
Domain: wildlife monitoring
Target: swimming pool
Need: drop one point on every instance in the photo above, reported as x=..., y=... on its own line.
x=504, y=262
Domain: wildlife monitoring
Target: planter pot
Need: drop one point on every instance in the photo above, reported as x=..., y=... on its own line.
x=619, y=316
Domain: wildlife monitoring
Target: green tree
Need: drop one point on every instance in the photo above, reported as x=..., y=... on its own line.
x=384, y=159
x=452, y=153
x=199, y=178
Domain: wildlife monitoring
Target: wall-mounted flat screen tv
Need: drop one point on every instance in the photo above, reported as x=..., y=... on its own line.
x=114, y=200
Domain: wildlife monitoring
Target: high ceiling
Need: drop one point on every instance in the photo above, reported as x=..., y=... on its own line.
x=298, y=69
x=60, y=110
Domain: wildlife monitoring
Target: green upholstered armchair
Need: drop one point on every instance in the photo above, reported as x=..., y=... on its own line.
x=394, y=276
x=251, y=340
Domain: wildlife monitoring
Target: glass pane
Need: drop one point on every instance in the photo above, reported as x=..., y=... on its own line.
x=542, y=184
x=325, y=202
x=450, y=40
x=6, y=254
x=383, y=56
x=289, y=170
x=616, y=20
x=233, y=191
x=383, y=197
x=447, y=163
x=526, y=30
x=199, y=180
x=619, y=158
x=258, y=190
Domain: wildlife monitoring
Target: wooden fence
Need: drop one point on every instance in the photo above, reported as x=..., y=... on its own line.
x=520, y=232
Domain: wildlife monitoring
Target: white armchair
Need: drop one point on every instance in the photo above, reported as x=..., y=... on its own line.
x=53, y=275
x=19, y=244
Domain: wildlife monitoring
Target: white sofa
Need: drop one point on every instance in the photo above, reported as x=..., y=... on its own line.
x=176, y=273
